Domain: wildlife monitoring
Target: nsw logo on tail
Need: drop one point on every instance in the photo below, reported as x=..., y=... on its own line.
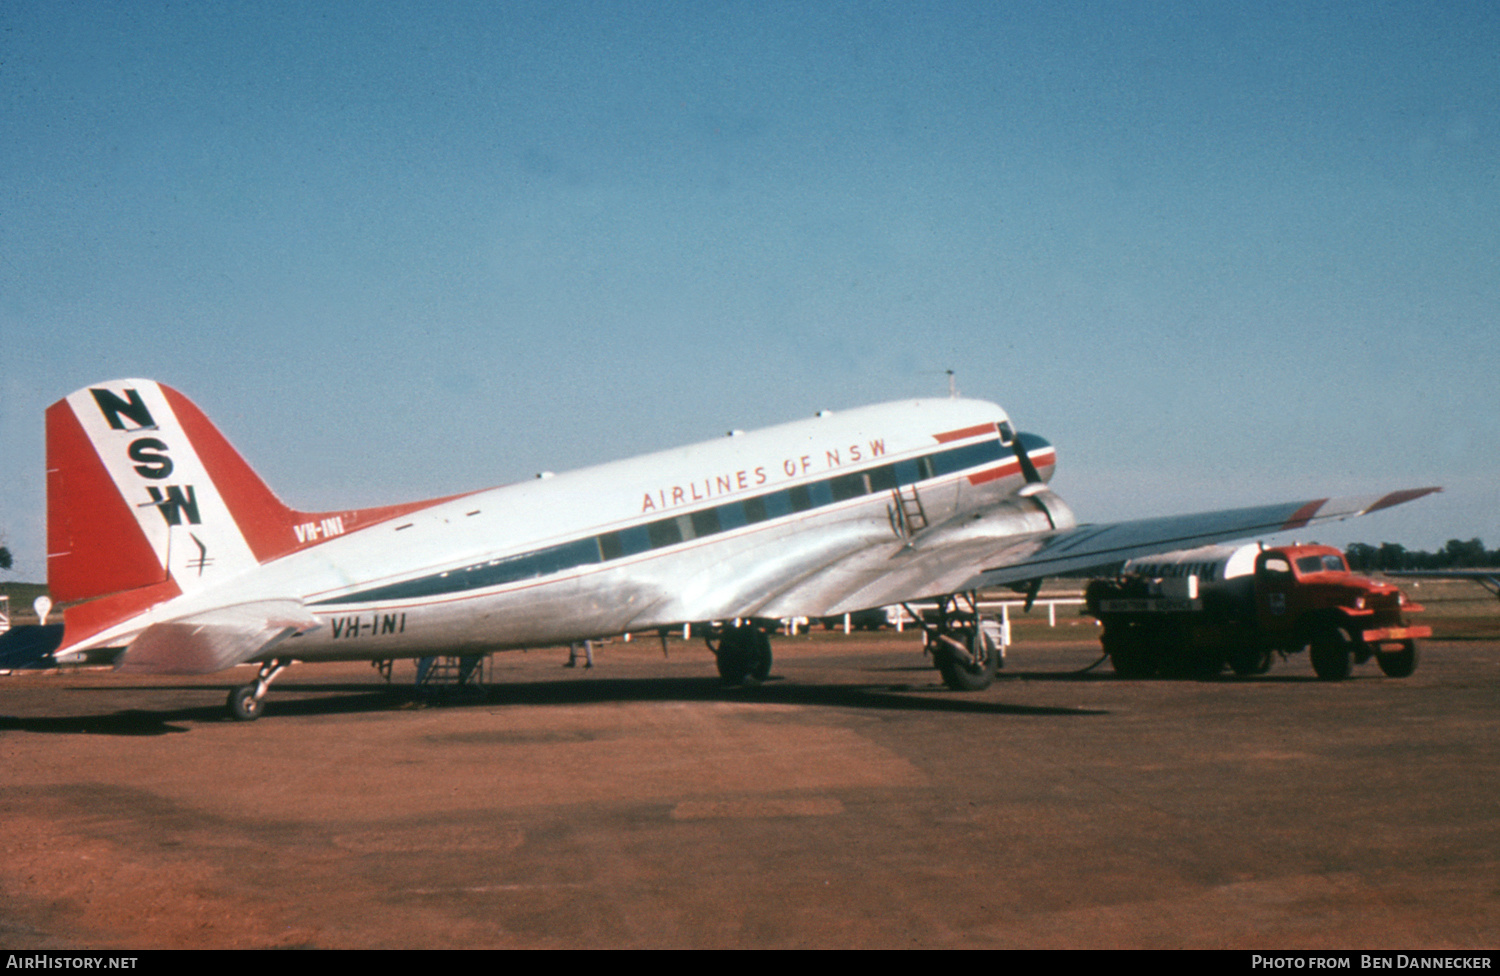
x=130, y=500
x=147, y=502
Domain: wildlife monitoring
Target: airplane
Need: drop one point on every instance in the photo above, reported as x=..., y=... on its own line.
x=1487, y=578
x=172, y=556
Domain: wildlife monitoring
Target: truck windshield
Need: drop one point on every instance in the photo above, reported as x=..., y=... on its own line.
x=1321, y=564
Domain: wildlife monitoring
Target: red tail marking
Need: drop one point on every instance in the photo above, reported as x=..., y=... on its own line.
x=94, y=543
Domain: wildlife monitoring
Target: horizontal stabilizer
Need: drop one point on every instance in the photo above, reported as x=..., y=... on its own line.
x=216, y=639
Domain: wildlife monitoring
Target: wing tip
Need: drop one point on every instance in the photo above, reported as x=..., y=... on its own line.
x=1401, y=497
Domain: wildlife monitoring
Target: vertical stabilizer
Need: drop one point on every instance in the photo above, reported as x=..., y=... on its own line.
x=147, y=500
x=130, y=503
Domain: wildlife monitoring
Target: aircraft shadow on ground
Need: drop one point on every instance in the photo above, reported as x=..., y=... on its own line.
x=1101, y=673
x=314, y=699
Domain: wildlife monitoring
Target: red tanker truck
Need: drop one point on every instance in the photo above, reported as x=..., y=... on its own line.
x=1191, y=612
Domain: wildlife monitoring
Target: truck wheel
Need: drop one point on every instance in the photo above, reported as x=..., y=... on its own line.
x=1399, y=664
x=1332, y=655
x=1249, y=661
x=1128, y=653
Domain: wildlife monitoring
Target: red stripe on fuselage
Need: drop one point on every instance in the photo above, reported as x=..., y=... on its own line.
x=1006, y=468
x=996, y=473
x=965, y=432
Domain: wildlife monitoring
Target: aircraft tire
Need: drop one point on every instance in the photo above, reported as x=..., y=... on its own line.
x=961, y=676
x=1332, y=654
x=1399, y=664
x=243, y=705
x=744, y=656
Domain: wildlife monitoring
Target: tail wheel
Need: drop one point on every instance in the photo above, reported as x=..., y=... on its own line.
x=1399, y=664
x=1332, y=655
x=243, y=705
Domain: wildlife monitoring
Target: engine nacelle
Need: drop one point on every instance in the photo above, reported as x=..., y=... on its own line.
x=1036, y=509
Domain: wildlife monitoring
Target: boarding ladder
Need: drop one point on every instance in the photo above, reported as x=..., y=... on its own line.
x=450, y=672
x=907, y=515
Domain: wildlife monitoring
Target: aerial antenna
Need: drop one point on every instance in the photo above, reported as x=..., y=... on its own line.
x=952, y=385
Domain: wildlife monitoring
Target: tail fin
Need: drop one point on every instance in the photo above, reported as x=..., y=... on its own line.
x=145, y=495
x=142, y=490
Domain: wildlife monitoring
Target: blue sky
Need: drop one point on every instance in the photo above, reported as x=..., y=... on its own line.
x=1218, y=253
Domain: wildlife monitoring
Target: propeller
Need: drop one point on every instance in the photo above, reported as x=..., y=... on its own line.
x=1009, y=437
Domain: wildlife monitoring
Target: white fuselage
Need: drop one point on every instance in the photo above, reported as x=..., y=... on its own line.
x=771, y=523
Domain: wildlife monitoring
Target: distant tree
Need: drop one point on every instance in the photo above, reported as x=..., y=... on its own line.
x=1362, y=557
x=1392, y=556
x=1463, y=555
x=4, y=558
x=1456, y=554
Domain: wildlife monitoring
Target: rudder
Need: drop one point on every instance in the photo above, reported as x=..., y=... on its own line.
x=130, y=500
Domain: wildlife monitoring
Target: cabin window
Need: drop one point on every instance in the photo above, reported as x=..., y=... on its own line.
x=755, y=510
x=706, y=522
x=882, y=478
x=664, y=533
x=733, y=516
x=778, y=504
x=847, y=486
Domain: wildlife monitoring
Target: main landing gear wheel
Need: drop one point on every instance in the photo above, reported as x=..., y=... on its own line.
x=743, y=655
x=966, y=648
x=966, y=669
x=1399, y=664
x=1332, y=655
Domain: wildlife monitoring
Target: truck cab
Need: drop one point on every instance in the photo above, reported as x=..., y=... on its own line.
x=1193, y=611
x=1305, y=596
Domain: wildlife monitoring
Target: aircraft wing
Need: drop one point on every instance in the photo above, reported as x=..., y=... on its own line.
x=1487, y=578
x=216, y=639
x=920, y=572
